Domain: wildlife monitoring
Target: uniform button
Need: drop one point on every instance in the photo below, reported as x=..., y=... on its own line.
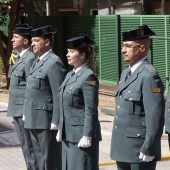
x=138, y=135
x=21, y=102
x=120, y=97
x=26, y=91
x=27, y=84
x=130, y=99
x=168, y=110
x=118, y=107
x=37, y=77
x=116, y=117
x=129, y=91
x=115, y=127
x=168, y=101
x=43, y=107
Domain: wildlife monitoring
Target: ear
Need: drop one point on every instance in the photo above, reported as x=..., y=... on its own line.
x=83, y=54
x=143, y=48
x=47, y=42
x=25, y=41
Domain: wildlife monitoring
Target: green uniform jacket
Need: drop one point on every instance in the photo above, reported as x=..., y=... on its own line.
x=18, y=83
x=78, y=103
x=139, y=119
x=43, y=81
x=167, y=111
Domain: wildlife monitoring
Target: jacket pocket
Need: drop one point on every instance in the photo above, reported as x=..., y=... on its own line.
x=134, y=103
x=72, y=96
x=19, y=76
x=133, y=132
x=39, y=82
x=43, y=106
x=76, y=121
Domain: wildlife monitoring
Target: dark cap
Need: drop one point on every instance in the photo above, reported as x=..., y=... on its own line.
x=140, y=33
x=80, y=41
x=42, y=31
x=22, y=29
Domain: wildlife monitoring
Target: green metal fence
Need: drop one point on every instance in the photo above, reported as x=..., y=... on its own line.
x=106, y=31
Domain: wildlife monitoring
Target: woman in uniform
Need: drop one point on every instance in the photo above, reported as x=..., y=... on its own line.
x=79, y=127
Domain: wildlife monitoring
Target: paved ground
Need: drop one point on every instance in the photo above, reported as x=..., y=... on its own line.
x=11, y=157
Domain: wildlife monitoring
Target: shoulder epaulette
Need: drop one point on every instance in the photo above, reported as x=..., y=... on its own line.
x=150, y=68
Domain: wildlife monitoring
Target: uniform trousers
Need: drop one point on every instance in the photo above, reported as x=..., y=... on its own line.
x=75, y=158
x=138, y=166
x=26, y=144
x=47, y=149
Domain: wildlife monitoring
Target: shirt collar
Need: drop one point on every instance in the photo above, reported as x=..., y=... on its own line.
x=134, y=67
x=41, y=57
x=24, y=51
x=77, y=69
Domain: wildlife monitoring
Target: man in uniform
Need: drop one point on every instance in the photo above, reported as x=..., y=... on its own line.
x=44, y=79
x=139, y=120
x=21, y=42
x=167, y=115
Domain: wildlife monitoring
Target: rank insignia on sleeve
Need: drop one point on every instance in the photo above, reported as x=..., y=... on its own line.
x=156, y=90
x=92, y=83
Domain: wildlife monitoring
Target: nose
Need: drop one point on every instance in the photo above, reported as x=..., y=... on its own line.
x=123, y=49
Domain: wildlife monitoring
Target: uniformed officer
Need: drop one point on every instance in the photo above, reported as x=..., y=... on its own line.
x=79, y=127
x=167, y=115
x=138, y=123
x=40, y=109
x=21, y=41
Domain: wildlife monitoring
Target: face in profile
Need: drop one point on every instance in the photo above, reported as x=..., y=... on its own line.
x=17, y=41
x=75, y=58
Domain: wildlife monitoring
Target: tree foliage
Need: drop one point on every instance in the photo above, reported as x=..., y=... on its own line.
x=9, y=20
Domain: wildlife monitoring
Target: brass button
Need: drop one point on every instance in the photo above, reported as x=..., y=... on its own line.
x=130, y=99
x=115, y=127
x=168, y=110
x=116, y=117
x=129, y=91
x=118, y=107
x=120, y=96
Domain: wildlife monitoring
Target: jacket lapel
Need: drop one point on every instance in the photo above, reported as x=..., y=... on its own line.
x=35, y=65
x=133, y=76
x=21, y=60
x=75, y=76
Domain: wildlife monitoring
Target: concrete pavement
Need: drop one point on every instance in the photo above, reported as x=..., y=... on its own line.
x=11, y=157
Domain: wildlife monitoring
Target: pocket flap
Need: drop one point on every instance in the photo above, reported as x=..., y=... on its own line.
x=132, y=96
x=76, y=121
x=72, y=91
x=18, y=73
x=43, y=106
x=18, y=101
x=133, y=132
x=39, y=75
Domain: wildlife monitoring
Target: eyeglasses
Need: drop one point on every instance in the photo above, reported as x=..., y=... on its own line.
x=130, y=46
